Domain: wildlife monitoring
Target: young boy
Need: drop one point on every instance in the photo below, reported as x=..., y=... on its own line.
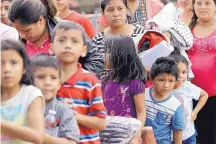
x=65, y=13
x=5, y=4
x=79, y=85
x=65, y=130
x=164, y=112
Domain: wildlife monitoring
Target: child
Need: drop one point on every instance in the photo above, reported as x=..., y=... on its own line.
x=79, y=85
x=46, y=72
x=163, y=111
x=185, y=91
x=21, y=103
x=65, y=13
x=123, y=87
x=5, y=4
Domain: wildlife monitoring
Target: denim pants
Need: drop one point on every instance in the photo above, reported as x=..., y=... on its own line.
x=190, y=140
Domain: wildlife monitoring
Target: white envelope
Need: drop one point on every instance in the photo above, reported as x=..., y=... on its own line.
x=148, y=57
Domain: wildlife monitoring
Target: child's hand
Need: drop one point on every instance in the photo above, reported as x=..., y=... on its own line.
x=135, y=141
x=71, y=104
x=194, y=116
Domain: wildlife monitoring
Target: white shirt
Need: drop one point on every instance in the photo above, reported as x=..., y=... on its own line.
x=8, y=32
x=185, y=95
x=15, y=110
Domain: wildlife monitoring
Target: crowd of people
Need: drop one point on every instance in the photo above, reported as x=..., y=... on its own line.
x=61, y=77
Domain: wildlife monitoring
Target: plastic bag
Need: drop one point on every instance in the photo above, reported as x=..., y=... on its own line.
x=119, y=130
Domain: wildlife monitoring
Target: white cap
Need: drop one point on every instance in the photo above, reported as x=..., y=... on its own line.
x=52, y=112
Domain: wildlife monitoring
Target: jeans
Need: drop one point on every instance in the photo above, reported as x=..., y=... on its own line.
x=206, y=123
x=190, y=140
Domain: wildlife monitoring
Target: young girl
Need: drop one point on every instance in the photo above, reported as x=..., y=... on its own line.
x=21, y=103
x=185, y=92
x=123, y=87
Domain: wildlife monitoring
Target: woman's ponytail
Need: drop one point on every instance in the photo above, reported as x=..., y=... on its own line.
x=194, y=18
x=51, y=7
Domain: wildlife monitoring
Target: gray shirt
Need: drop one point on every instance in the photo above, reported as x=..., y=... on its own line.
x=66, y=124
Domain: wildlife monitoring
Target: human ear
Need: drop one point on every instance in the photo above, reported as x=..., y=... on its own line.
x=84, y=51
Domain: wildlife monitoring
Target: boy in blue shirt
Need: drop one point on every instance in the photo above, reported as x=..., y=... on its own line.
x=163, y=111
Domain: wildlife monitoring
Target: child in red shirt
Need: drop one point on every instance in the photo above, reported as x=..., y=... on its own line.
x=65, y=13
x=82, y=87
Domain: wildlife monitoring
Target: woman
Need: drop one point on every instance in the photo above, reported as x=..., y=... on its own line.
x=34, y=20
x=115, y=12
x=203, y=58
x=187, y=13
x=138, y=11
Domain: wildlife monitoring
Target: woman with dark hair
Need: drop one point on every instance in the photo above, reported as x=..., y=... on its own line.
x=34, y=20
x=115, y=12
x=203, y=58
x=138, y=12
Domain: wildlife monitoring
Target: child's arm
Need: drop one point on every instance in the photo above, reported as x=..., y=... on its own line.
x=177, y=125
x=92, y=122
x=68, y=132
x=177, y=136
x=96, y=115
x=202, y=100
x=141, y=113
x=57, y=140
x=33, y=133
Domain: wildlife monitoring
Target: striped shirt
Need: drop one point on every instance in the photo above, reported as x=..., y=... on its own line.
x=86, y=92
x=98, y=44
x=163, y=116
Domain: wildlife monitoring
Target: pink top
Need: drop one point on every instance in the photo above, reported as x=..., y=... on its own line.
x=203, y=58
x=33, y=50
x=153, y=7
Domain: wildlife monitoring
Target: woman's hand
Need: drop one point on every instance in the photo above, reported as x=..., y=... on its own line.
x=194, y=116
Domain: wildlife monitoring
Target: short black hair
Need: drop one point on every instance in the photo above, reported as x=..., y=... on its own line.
x=45, y=60
x=105, y=2
x=69, y=25
x=19, y=47
x=179, y=59
x=164, y=65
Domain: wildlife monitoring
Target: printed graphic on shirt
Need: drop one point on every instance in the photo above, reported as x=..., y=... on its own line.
x=12, y=114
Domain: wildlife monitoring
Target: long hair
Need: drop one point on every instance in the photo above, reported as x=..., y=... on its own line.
x=194, y=19
x=125, y=64
x=29, y=11
x=27, y=77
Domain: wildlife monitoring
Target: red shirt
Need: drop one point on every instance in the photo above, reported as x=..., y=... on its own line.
x=33, y=50
x=83, y=21
x=86, y=92
x=203, y=58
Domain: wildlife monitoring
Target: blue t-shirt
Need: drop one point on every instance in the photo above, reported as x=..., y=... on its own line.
x=163, y=116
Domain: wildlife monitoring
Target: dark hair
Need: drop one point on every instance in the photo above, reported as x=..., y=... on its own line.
x=179, y=59
x=195, y=18
x=68, y=25
x=164, y=65
x=29, y=11
x=105, y=2
x=7, y=0
x=125, y=64
x=27, y=77
x=44, y=60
